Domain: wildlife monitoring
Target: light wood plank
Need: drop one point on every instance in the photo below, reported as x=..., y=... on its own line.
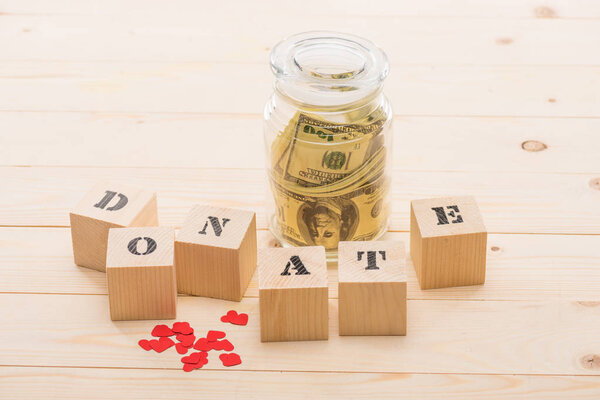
x=520, y=267
x=75, y=383
x=247, y=37
x=509, y=202
x=478, y=144
x=429, y=8
x=244, y=88
x=443, y=337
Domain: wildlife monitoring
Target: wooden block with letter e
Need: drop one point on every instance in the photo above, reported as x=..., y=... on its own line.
x=140, y=273
x=215, y=252
x=107, y=205
x=448, y=242
x=292, y=287
x=372, y=288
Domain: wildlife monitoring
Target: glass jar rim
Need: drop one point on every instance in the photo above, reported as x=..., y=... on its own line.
x=328, y=68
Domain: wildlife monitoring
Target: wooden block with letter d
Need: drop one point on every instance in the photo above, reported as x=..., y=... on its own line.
x=215, y=252
x=107, y=205
x=372, y=288
x=140, y=273
x=448, y=242
x=292, y=287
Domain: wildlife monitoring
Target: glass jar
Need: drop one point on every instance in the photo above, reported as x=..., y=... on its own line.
x=328, y=137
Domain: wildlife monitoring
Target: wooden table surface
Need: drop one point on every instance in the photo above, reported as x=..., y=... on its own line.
x=500, y=100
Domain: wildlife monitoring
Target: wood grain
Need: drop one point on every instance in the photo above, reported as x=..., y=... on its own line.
x=144, y=37
x=42, y=196
x=548, y=9
x=30, y=383
x=479, y=143
x=183, y=87
x=520, y=267
x=524, y=337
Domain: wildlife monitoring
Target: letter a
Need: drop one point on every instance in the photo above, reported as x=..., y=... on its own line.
x=298, y=266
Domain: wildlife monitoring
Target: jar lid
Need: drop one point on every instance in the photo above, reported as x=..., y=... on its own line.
x=328, y=68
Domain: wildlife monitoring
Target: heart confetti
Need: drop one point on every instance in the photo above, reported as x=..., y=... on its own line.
x=145, y=344
x=183, y=327
x=230, y=359
x=202, y=344
x=213, y=336
x=183, y=333
x=233, y=317
x=222, y=345
x=161, y=331
x=181, y=349
x=194, y=358
x=186, y=340
x=161, y=344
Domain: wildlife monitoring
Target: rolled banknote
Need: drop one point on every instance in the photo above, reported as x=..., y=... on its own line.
x=328, y=180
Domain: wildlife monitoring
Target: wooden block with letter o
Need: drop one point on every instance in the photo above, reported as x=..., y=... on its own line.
x=107, y=205
x=140, y=273
x=292, y=286
x=215, y=252
x=372, y=288
x=448, y=242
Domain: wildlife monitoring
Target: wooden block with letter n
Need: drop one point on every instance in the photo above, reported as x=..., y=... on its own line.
x=292, y=287
x=140, y=273
x=215, y=252
x=448, y=242
x=107, y=205
x=372, y=288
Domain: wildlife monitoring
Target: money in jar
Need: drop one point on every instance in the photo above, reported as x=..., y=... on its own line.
x=328, y=137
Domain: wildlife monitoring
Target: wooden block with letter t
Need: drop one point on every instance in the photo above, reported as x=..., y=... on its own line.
x=215, y=252
x=448, y=242
x=372, y=288
x=140, y=273
x=292, y=287
x=107, y=205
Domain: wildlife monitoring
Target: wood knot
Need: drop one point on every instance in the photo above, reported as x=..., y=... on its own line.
x=544, y=12
x=495, y=248
x=503, y=41
x=591, y=361
x=589, y=303
x=551, y=100
x=595, y=183
x=533, y=146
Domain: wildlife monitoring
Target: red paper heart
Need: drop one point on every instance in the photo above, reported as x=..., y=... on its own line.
x=230, y=359
x=189, y=367
x=222, y=345
x=161, y=344
x=181, y=349
x=145, y=344
x=161, y=331
x=183, y=328
x=186, y=340
x=213, y=336
x=229, y=316
x=241, y=319
x=195, y=358
x=202, y=344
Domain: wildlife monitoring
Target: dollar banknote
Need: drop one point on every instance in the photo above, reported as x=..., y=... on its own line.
x=328, y=179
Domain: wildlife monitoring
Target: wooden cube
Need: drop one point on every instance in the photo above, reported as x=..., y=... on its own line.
x=372, y=288
x=140, y=273
x=107, y=205
x=448, y=242
x=215, y=252
x=292, y=287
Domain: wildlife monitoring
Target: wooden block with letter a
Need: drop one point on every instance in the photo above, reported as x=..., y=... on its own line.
x=107, y=205
x=292, y=287
x=448, y=242
x=140, y=273
x=372, y=288
x=215, y=252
